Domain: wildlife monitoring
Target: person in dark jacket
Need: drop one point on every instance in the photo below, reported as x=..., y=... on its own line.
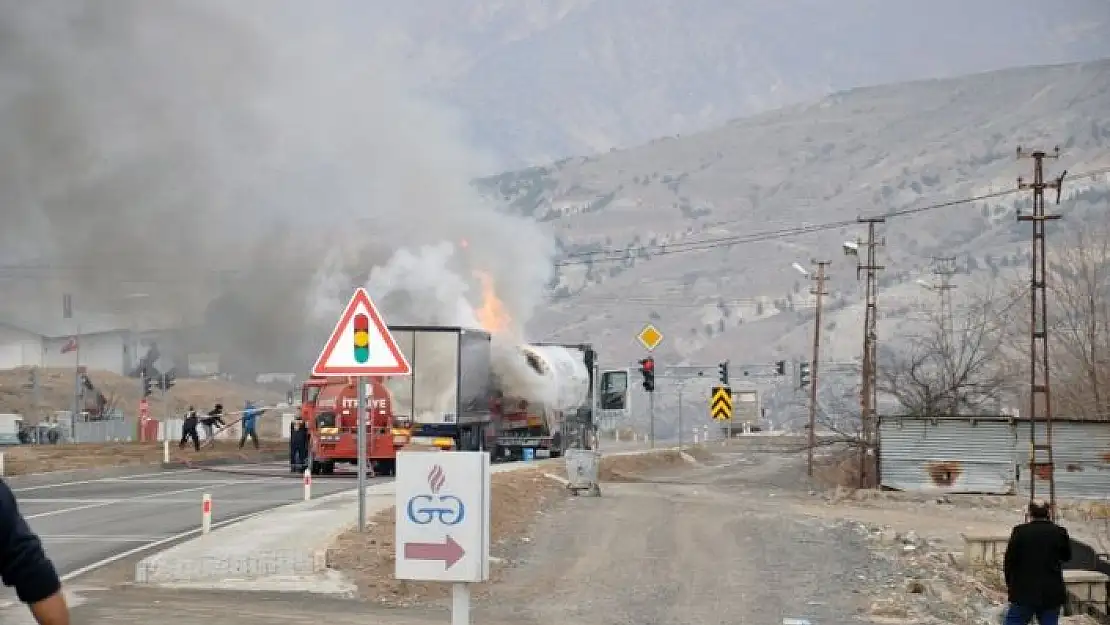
x=189, y=430
x=298, y=446
x=24, y=565
x=214, y=419
x=1033, y=568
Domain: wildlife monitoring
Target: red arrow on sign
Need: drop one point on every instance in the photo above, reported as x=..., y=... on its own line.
x=448, y=551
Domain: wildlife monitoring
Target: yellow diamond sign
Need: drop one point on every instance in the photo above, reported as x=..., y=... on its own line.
x=650, y=337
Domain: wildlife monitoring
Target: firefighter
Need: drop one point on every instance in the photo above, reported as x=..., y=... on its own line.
x=189, y=430
x=24, y=565
x=248, y=423
x=298, y=446
x=214, y=418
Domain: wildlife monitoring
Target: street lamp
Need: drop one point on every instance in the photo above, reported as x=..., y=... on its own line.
x=925, y=284
x=800, y=269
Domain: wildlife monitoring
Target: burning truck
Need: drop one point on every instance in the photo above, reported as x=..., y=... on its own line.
x=466, y=393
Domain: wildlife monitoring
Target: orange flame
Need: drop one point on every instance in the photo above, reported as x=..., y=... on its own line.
x=492, y=314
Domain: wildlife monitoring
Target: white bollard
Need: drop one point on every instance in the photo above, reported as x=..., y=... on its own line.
x=165, y=451
x=206, y=514
x=307, y=484
x=2, y=464
x=695, y=438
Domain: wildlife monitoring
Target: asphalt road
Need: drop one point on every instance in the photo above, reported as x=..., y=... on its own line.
x=86, y=522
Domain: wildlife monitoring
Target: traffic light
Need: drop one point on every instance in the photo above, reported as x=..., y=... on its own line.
x=147, y=382
x=723, y=373
x=803, y=374
x=362, y=338
x=169, y=378
x=780, y=367
x=647, y=369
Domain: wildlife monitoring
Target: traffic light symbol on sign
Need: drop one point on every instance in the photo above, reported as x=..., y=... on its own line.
x=362, y=338
x=647, y=369
x=720, y=403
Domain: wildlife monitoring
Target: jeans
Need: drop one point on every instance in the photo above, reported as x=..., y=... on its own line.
x=1019, y=615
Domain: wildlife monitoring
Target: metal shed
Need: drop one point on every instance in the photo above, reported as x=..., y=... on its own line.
x=990, y=454
x=947, y=454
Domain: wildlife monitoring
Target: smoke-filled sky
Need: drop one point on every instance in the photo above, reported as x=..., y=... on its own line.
x=190, y=150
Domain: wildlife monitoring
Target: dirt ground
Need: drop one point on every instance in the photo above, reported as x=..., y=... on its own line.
x=27, y=459
x=56, y=393
x=519, y=499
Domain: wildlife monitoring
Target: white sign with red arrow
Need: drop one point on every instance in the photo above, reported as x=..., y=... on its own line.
x=443, y=508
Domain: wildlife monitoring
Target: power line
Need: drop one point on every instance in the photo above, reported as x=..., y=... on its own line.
x=664, y=249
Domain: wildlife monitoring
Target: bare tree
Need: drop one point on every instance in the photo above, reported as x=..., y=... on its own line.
x=1079, y=284
x=955, y=366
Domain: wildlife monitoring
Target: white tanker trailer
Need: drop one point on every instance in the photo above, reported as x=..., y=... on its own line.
x=546, y=405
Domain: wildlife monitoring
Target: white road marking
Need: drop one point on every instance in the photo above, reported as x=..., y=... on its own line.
x=68, y=577
x=125, y=500
x=103, y=539
x=27, y=489
x=152, y=500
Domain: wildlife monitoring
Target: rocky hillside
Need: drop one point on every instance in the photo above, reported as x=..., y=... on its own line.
x=710, y=220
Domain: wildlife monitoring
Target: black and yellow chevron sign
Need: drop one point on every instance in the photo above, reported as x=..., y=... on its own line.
x=720, y=403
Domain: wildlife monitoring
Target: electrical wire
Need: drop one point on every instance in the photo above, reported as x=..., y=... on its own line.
x=664, y=249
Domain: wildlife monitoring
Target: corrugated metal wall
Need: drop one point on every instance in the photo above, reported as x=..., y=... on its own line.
x=947, y=455
x=1082, y=455
x=991, y=455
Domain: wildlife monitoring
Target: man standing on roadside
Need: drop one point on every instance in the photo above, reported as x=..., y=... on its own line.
x=1033, y=568
x=214, y=419
x=189, y=430
x=24, y=565
x=248, y=423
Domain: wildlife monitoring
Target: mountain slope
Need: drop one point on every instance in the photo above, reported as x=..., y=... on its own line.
x=544, y=79
x=865, y=151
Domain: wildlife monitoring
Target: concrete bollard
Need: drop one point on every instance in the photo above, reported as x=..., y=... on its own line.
x=206, y=513
x=307, y=484
x=165, y=451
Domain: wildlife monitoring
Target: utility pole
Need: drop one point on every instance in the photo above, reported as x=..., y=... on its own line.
x=868, y=387
x=944, y=267
x=1039, y=372
x=818, y=292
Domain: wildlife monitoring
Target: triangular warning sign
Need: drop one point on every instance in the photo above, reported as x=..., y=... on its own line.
x=361, y=344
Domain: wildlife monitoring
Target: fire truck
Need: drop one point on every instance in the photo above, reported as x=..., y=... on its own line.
x=329, y=407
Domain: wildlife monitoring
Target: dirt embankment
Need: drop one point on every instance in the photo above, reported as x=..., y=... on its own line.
x=518, y=499
x=56, y=386
x=27, y=459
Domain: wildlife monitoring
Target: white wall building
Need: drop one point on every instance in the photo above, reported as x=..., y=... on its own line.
x=101, y=344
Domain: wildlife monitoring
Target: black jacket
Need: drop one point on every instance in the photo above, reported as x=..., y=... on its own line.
x=298, y=438
x=1033, y=565
x=190, y=420
x=23, y=563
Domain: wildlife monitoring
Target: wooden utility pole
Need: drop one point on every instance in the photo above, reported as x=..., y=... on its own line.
x=868, y=387
x=818, y=292
x=1039, y=372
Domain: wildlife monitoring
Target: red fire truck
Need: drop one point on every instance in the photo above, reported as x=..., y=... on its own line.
x=329, y=407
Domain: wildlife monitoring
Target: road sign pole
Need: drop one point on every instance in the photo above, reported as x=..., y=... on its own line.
x=651, y=418
x=681, y=387
x=730, y=428
x=361, y=419
x=460, y=604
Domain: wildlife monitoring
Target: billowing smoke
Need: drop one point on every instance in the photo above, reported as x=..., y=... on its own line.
x=241, y=165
